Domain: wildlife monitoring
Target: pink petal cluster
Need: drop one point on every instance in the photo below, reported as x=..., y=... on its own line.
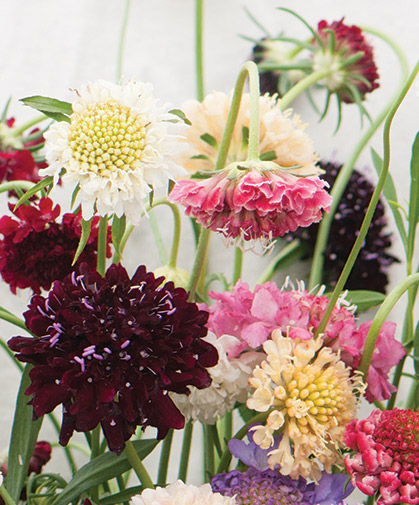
x=254, y=205
x=386, y=459
x=251, y=316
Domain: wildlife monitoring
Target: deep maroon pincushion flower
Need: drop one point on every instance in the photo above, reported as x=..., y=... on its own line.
x=369, y=271
x=110, y=349
x=386, y=459
x=36, y=250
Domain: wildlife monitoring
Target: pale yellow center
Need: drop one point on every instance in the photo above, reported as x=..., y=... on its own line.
x=107, y=137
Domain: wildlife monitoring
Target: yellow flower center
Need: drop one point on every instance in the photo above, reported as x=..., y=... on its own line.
x=107, y=137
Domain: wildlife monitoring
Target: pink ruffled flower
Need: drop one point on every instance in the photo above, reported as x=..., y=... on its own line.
x=386, y=459
x=255, y=205
x=251, y=316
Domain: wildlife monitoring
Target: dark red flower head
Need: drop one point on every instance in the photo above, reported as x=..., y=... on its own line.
x=110, y=349
x=36, y=250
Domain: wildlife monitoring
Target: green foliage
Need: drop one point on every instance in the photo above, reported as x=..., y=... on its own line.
x=51, y=107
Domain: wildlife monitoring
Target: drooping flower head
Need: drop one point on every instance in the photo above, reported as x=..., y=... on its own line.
x=386, y=459
x=254, y=206
x=268, y=487
x=180, y=493
x=251, y=316
x=36, y=250
x=369, y=271
x=117, y=146
x=229, y=384
x=109, y=349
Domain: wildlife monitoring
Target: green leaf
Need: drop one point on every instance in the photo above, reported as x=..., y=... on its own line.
x=268, y=156
x=209, y=139
x=24, y=436
x=38, y=187
x=200, y=157
x=121, y=497
x=85, y=234
x=51, y=107
x=245, y=413
x=118, y=230
x=390, y=194
x=245, y=136
x=103, y=468
x=181, y=115
x=365, y=300
x=414, y=195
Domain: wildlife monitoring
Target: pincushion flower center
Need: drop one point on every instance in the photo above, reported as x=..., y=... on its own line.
x=107, y=137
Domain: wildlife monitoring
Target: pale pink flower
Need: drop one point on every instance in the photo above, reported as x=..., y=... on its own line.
x=251, y=316
x=255, y=205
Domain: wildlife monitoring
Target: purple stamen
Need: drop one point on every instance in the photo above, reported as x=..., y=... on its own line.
x=80, y=361
x=97, y=356
x=87, y=304
x=125, y=344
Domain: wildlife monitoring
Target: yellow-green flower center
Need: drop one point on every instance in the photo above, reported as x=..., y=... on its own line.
x=106, y=137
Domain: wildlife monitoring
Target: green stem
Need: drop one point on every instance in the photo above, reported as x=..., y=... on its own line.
x=102, y=242
x=12, y=185
x=215, y=438
x=227, y=427
x=254, y=90
x=396, y=381
x=130, y=228
x=302, y=86
x=137, y=466
x=94, y=453
x=346, y=171
x=238, y=263
x=164, y=459
x=199, y=265
x=67, y=450
x=209, y=459
x=8, y=500
x=380, y=317
x=186, y=450
x=372, y=205
x=176, y=229
x=20, y=129
x=11, y=318
x=292, y=251
x=199, y=17
x=122, y=40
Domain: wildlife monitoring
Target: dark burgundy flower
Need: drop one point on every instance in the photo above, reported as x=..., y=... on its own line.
x=110, y=349
x=369, y=271
x=36, y=250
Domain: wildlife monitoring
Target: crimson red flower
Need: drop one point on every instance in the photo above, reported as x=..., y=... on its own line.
x=110, y=349
x=19, y=166
x=386, y=459
x=36, y=250
x=254, y=205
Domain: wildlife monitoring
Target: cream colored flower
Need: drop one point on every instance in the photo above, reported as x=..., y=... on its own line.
x=230, y=383
x=311, y=397
x=179, y=493
x=119, y=145
x=282, y=136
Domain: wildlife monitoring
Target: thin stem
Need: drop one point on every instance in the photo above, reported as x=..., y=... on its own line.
x=292, y=251
x=137, y=466
x=102, y=242
x=95, y=451
x=209, y=459
x=8, y=500
x=396, y=381
x=122, y=40
x=227, y=427
x=176, y=229
x=11, y=318
x=12, y=185
x=199, y=264
x=186, y=450
x=345, y=173
x=164, y=459
x=199, y=18
x=215, y=438
x=238, y=263
x=20, y=129
x=302, y=86
x=371, y=207
x=380, y=317
x=67, y=450
x=254, y=89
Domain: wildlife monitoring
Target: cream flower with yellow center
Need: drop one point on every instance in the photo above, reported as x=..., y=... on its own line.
x=118, y=146
x=310, y=396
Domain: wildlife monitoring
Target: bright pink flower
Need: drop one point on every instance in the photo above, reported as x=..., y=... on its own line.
x=386, y=459
x=252, y=316
x=255, y=205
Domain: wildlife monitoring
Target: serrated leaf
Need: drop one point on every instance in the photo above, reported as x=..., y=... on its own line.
x=365, y=300
x=24, y=436
x=390, y=194
x=268, y=156
x=38, y=187
x=51, y=107
x=414, y=193
x=103, y=468
x=85, y=234
x=118, y=230
x=181, y=115
x=209, y=139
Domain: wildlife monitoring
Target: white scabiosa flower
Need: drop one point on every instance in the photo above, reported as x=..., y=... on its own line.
x=179, y=493
x=117, y=147
x=229, y=385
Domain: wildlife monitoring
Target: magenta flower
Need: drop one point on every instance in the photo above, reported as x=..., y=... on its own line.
x=254, y=205
x=386, y=459
x=251, y=316
x=36, y=250
x=110, y=349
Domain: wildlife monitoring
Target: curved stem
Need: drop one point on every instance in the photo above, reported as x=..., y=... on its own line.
x=20, y=129
x=186, y=450
x=122, y=40
x=8, y=500
x=176, y=228
x=345, y=173
x=302, y=86
x=102, y=242
x=164, y=459
x=380, y=317
x=138, y=466
x=11, y=318
x=199, y=17
x=372, y=205
x=12, y=185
